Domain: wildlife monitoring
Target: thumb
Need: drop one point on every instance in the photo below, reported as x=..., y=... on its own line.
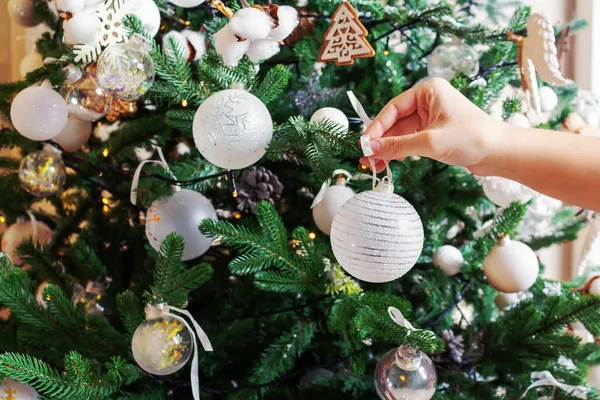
x=400, y=147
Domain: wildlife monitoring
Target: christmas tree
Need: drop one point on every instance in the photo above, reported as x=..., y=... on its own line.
x=174, y=253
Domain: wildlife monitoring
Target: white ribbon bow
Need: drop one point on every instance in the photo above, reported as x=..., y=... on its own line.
x=398, y=318
x=136, y=176
x=155, y=311
x=545, y=378
x=365, y=140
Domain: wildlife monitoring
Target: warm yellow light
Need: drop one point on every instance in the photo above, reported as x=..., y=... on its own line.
x=105, y=200
x=234, y=194
x=238, y=216
x=105, y=208
x=386, y=52
x=105, y=152
x=312, y=236
x=2, y=219
x=362, y=167
x=184, y=103
x=188, y=23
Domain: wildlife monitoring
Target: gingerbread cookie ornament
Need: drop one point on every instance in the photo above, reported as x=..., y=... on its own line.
x=345, y=39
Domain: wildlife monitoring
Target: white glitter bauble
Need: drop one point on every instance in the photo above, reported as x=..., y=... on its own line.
x=330, y=114
x=232, y=129
x=451, y=59
x=511, y=266
x=181, y=213
x=162, y=346
x=548, y=98
x=377, y=236
x=30, y=62
x=23, y=12
x=20, y=231
x=186, y=3
x=502, y=191
x=75, y=135
x=518, y=119
x=449, y=259
x=148, y=13
x=39, y=113
x=330, y=203
x=13, y=390
x=126, y=70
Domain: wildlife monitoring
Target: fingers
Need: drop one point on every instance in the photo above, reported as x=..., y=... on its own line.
x=400, y=147
x=379, y=164
x=398, y=108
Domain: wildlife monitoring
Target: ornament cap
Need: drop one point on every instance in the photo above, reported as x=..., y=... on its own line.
x=408, y=358
x=385, y=186
x=504, y=240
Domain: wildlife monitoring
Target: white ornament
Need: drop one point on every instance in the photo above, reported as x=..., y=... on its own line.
x=23, y=12
x=377, y=236
x=186, y=3
x=82, y=28
x=30, y=62
x=449, y=259
x=548, y=99
x=511, y=266
x=14, y=390
x=594, y=282
x=519, y=119
x=251, y=24
x=328, y=202
x=232, y=129
x=70, y=6
x=539, y=55
x=331, y=114
x=147, y=12
x=39, y=113
x=20, y=231
x=75, y=135
x=288, y=20
x=181, y=213
x=504, y=300
x=502, y=191
x=228, y=46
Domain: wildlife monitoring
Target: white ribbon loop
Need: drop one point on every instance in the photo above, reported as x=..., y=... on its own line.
x=545, y=378
x=398, y=318
x=321, y=195
x=34, y=226
x=136, y=176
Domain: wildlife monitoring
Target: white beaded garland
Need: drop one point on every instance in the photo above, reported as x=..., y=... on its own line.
x=330, y=114
x=511, y=266
x=330, y=203
x=377, y=236
x=181, y=213
x=448, y=259
x=39, y=113
x=232, y=129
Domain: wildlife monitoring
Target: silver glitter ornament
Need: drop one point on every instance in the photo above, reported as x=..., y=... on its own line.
x=405, y=373
x=377, y=236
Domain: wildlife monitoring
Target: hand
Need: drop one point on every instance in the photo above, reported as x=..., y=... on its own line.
x=433, y=120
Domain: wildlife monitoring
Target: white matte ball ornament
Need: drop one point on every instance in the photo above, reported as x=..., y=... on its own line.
x=148, y=13
x=23, y=12
x=548, y=98
x=332, y=200
x=232, y=129
x=20, y=231
x=518, y=119
x=377, y=236
x=75, y=135
x=11, y=389
x=330, y=114
x=181, y=213
x=39, y=113
x=448, y=259
x=502, y=191
x=511, y=266
x=594, y=282
x=503, y=300
x=186, y=3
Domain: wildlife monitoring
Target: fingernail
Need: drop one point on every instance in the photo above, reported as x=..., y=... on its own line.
x=375, y=147
x=365, y=144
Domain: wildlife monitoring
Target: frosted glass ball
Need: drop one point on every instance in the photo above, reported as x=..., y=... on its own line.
x=30, y=62
x=42, y=173
x=20, y=231
x=502, y=191
x=39, y=113
x=23, y=12
x=85, y=99
x=325, y=210
x=377, y=236
x=181, y=213
x=405, y=373
x=162, y=346
x=548, y=98
x=14, y=390
x=126, y=70
x=232, y=129
x=449, y=259
x=451, y=59
x=331, y=114
x=75, y=135
x=511, y=266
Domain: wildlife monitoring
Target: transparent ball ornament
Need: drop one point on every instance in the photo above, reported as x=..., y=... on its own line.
x=405, y=373
x=43, y=172
x=377, y=236
x=39, y=113
x=451, y=59
x=162, y=345
x=126, y=70
x=181, y=213
x=232, y=129
x=86, y=100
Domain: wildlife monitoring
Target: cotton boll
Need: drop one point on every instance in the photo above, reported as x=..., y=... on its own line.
x=82, y=28
x=71, y=6
x=228, y=47
x=262, y=49
x=197, y=41
x=288, y=20
x=251, y=24
x=180, y=42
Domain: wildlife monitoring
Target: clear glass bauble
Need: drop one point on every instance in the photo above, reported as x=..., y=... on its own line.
x=86, y=100
x=405, y=373
x=232, y=129
x=162, y=346
x=126, y=70
x=377, y=236
x=451, y=59
x=42, y=173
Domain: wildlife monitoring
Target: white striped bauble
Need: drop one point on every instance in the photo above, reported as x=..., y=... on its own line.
x=377, y=236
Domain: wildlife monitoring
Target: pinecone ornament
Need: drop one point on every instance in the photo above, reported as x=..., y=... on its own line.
x=256, y=184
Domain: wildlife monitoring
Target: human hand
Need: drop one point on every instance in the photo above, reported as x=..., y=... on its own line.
x=433, y=120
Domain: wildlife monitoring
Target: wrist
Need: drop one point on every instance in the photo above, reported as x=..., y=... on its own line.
x=494, y=143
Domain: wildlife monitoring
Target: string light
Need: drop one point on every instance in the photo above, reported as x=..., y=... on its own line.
x=105, y=152
x=234, y=194
x=105, y=208
x=386, y=52
x=105, y=200
x=312, y=236
x=362, y=167
x=238, y=216
x=188, y=23
x=2, y=219
x=184, y=103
